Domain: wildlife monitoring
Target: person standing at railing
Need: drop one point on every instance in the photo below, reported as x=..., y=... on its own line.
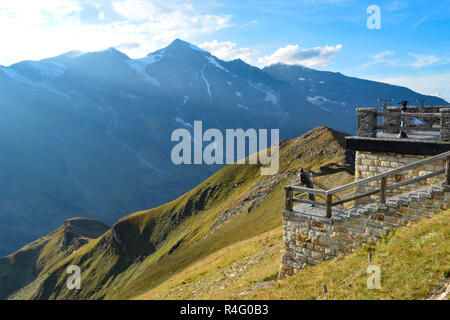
x=306, y=180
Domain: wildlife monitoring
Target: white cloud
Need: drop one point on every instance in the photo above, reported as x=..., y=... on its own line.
x=291, y=54
x=379, y=57
x=227, y=51
x=38, y=12
x=383, y=54
x=418, y=62
x=437, y=84
x=423, y=60
x=396, y=5
x=249, y=23
x=135, y=10
x=425, y=17
x=308, y=57
x=40, y=29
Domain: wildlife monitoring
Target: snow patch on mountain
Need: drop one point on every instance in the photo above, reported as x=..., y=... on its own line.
x=140, y=67
x=74, y=54
x=270, y=96
x=185, y=99
x=18, y=77
x=322, y=102
x=216, y=64
x=194, y=47
x=152, y=57
x=59, y=65
x=206, y=82
x=182, y=122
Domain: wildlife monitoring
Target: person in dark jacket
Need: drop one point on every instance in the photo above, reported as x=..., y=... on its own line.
x=306, y=180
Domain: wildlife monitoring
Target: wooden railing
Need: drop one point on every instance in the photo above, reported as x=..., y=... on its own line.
x=382, y=177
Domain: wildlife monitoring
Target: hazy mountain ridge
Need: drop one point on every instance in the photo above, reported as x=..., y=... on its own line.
x=335, y=92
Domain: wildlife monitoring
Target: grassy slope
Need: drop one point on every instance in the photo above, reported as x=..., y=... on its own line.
x=413, y=262
x=146, y=248
x=33, y=260
x=226, y=274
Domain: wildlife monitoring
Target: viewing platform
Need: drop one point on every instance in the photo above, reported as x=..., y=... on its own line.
x=387, y=163
x=427, y=130
x=402, y=174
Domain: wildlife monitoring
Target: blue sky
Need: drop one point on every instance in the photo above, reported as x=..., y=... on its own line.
x=412, y=47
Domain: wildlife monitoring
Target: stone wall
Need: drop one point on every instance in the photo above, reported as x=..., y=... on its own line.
x=445, y=124
x=392, y=121
x=367, y=121
x=368, y=164
x=311, y=238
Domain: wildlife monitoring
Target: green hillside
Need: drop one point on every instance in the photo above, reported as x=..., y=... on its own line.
x=146, y=248
x=32, y=262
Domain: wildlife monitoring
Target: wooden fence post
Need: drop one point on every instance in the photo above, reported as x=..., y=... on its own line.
x=289, y=196
x=383, y=189
x=329, y=205
x=447, y=171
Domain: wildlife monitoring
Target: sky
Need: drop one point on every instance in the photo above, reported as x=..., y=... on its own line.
x=400, y=42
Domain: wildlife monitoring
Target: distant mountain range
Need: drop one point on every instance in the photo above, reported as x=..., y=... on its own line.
x=88, y=134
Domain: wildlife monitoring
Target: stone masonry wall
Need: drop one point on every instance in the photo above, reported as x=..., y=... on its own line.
x=445, y=124
x=311, y=238
x=368, y=164
x=367, y=121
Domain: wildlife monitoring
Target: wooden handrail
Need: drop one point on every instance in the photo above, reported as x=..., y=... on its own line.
x=308, y=190
x=391, y=172
x=391, y=187
x=324, y=187
x=315, y=182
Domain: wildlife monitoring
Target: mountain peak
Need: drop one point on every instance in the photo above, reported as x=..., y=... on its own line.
x=280, y=65
x=112, y=52
x=181, y=44
x=180, y=49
